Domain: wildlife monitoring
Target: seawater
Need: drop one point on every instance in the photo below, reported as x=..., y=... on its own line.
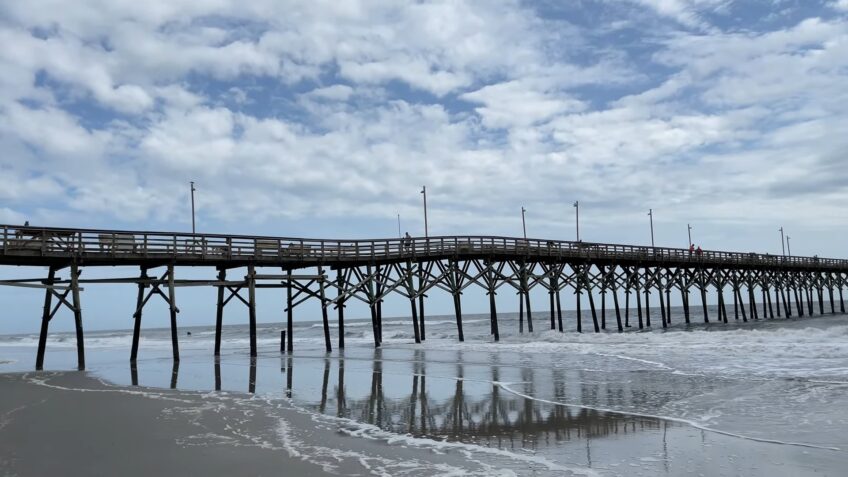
x=766, y=397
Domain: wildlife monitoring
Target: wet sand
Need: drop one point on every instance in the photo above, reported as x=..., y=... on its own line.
x=52, y=431
x=72, y=424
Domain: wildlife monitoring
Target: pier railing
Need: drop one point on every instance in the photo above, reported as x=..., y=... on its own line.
x=132, y=246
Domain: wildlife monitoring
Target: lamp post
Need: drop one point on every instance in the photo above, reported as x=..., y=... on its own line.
x=192, y=207
x=523, y=222
x=577, y=218
x=782, y=244
x=398, y=217
x=424, y=191
x=689, y=227
x=651, y=215
x=788, y=248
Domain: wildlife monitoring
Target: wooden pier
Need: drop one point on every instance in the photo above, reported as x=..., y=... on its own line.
x=370, y=270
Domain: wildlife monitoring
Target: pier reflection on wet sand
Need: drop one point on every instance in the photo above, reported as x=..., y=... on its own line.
x=446, y=406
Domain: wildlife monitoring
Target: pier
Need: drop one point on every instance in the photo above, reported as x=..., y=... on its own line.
x=334, y=272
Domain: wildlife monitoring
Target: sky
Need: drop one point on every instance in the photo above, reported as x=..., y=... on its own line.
x=324, y=119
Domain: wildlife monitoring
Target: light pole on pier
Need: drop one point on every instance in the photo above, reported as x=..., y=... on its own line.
x=689, y=227
x=398, y=217
x=523, y=223
x=651, y=215
x=192, y=207
x=424, y=191
x=782, y=244
x=577, y=217
x=788, y=248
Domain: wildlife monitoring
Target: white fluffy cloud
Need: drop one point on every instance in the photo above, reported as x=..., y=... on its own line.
x=328, y=110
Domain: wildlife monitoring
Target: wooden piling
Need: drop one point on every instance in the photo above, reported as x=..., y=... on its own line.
x=741, y=305
x=617, y=309
x=520, y=311
x=457, y=300
x=668, y=302
x=768, y=298
x=251, y=307
x=45, y=319
x=251, y=379
x=559, y=310
x=289, y=314
x=753, y=303
x=703, y=288
x=639, y=307
x=530, y=313
x=175, y=373
x=603, y=308
x=662, y=306
x=219, y=316
x=647, y=307
x=75, y=273
x=553, y=304
x=594, y=313
x=830, y=293
x=217, y=374
x=411, y=290
x=340, y=303
x=379, y=303
x=137, y=315
x=324, y=318
x=372, y=306
x=421, y=286
x=494, y=314
x=734, y=290
x=578, y=292
x=787, y=305
x=172, y=306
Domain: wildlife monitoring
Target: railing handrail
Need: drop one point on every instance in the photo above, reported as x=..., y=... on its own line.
x=390, y=247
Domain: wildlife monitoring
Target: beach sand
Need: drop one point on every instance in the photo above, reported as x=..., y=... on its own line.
x=71, y=424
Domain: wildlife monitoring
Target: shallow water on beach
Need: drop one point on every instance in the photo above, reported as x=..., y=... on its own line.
x=757, y=398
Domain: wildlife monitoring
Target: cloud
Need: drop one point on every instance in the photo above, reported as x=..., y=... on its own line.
x=686, y=12
x=336, y=92
x=322, y=111
x=516, y=104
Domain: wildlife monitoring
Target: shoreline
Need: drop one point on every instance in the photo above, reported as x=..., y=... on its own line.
x=69, y=423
